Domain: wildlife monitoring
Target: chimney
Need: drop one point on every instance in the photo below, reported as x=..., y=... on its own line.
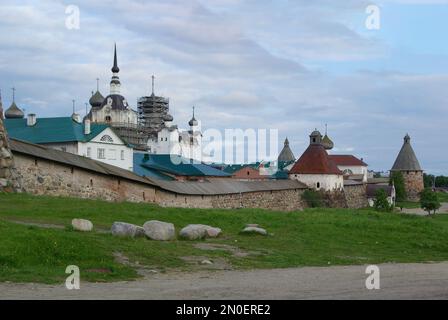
x=87, y=127
x=31, y=120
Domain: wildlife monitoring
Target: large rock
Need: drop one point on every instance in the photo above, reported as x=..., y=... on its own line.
x=255, y=230
x=82, y=225
x=123, y=229
x=199, y=231
x=160, y=231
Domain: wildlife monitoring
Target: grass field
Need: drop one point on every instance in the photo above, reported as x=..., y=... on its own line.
x=314, y=237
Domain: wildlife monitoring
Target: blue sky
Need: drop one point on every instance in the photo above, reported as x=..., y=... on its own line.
x=287, y=65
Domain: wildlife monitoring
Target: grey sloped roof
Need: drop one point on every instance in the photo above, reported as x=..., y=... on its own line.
x=406, y=159
x=228, y=186
x=19, y=146
x=286, y=154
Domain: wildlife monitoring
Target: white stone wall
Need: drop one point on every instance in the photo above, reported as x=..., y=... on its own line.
x=326, y=182
x=117, y=116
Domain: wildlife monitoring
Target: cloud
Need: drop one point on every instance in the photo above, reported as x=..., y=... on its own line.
x=242, y=63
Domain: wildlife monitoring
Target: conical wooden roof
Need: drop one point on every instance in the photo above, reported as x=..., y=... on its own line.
x=406, y=159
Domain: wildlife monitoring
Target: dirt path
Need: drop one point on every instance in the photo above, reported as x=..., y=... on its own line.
x=420, y=212
x=398, y=281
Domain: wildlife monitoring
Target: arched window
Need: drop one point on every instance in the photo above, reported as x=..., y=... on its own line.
x=347, y=172
x=108, y=119
x=318, y=185
x=107, y=138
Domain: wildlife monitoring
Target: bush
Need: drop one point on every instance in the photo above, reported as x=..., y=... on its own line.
x=381, y=203
x=397, y=179
x=429, y=201
x=312, y=198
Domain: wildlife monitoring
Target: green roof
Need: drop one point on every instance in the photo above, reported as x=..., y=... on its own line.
x=177, y=165
x=51, y=130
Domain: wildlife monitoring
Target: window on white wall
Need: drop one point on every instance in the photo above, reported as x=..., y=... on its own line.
x=122, y=154
x=101, y=153
x=89, y=152
x=318, y=185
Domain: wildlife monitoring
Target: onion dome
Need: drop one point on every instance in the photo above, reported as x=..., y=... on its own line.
x=115, y=102
x=168, y=118
x=96, y=100
x=193, y=122
x=327, y=143
x=14, y=112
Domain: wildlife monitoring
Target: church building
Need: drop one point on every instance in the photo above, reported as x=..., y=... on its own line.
x=315, y=168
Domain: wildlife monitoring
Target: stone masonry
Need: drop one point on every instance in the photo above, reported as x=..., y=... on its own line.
x=9, y=180
x=413, y=183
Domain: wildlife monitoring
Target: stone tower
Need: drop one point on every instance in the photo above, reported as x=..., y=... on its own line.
x=9, y=180
x=408, y=165
x=286, y=154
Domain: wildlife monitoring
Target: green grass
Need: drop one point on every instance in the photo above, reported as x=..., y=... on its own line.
x=314, y=237
x=407, y=204
x=443, y=196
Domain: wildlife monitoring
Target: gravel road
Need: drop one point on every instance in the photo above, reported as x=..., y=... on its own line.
x=398, y=281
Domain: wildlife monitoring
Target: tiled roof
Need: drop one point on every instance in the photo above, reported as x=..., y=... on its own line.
x=315, y=160
x=51, y=130
x=346, y=160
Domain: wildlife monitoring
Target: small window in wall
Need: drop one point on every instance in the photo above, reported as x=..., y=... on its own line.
x=318, y=185
x=108, y=119
x=122, y=154
x=101, y=153
x=89, y=152
x=166, y=139
x=161, y=139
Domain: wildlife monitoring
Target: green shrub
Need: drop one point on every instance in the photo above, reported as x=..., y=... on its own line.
x=381, y=203
x=312, y=198
x=429, y=201
x=397, y=179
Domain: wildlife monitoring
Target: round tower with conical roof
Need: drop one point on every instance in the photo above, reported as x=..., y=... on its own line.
x=409, y=166
x=286, y=155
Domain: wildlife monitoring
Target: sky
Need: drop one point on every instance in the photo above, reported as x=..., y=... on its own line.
x=290, y=65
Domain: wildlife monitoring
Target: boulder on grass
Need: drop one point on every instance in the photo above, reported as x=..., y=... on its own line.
x=199, y=231
x=123, y=229
x=82, y=225
x=160, y=231
x=254, y=230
